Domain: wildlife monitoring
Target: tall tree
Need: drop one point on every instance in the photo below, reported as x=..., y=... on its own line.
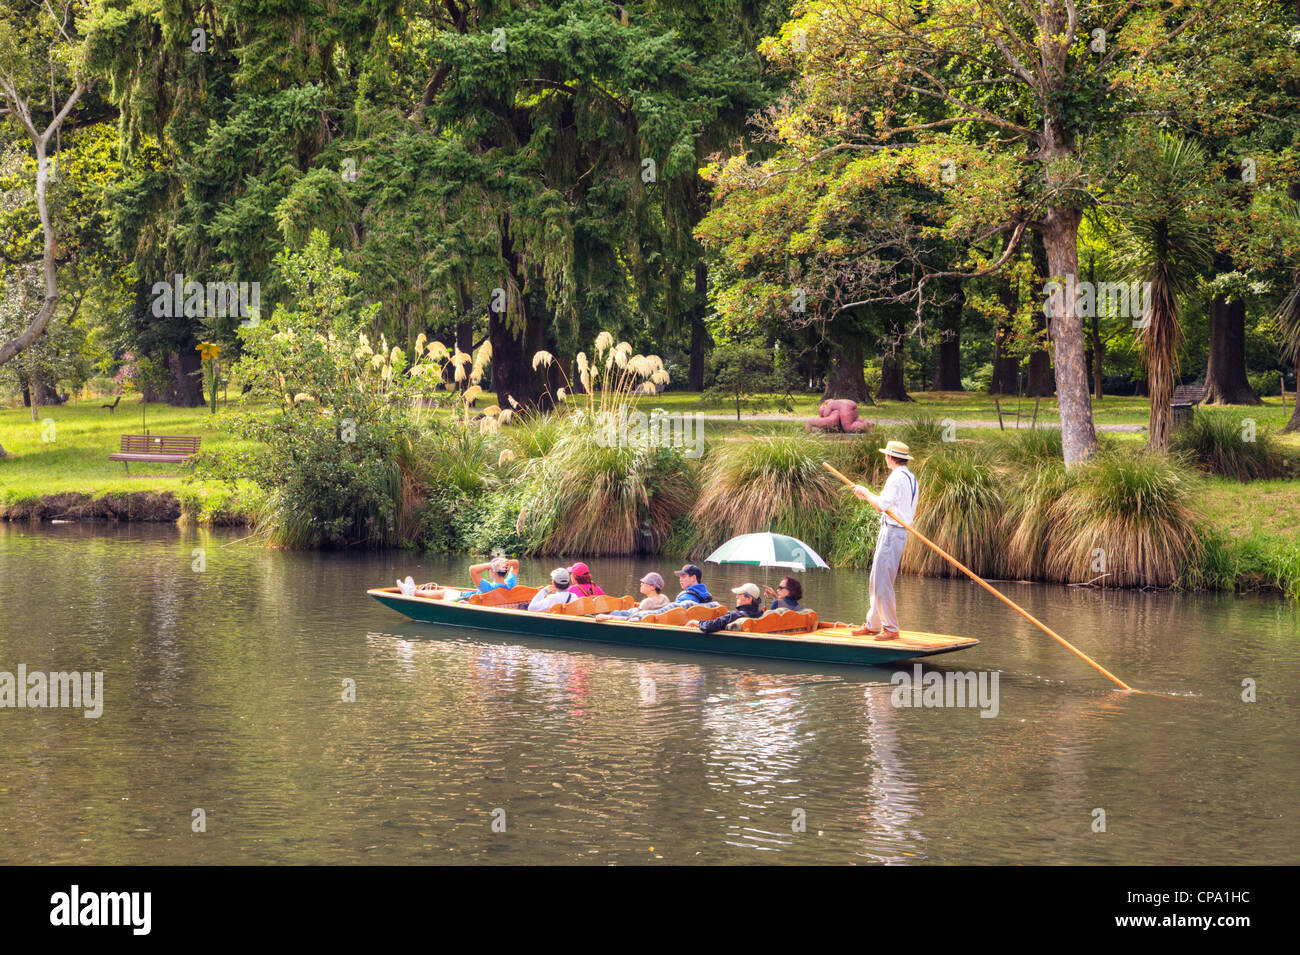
x=1002, y=106
x=42, y=78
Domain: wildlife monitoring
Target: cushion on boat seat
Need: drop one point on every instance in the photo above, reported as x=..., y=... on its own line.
x=679, y=615
x=585, y=606
x=502, y=597
x=780, y=621
x=709, y=611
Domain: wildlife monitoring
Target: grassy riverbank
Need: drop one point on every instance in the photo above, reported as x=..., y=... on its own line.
x=58, y=466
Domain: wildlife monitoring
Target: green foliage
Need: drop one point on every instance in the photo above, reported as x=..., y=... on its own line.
x=340, y=427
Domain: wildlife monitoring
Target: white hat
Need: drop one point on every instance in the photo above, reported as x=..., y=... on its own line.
x=896, y=449
x=751, y=589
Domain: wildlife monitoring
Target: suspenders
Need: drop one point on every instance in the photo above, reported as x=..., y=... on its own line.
x=911, y=480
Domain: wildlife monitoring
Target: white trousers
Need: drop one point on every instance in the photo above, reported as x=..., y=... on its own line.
x=884, y=571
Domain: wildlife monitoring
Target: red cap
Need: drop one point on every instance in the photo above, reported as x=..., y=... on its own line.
x=580, y=568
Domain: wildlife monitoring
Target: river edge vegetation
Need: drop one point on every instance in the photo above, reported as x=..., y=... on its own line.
x=1000, y=501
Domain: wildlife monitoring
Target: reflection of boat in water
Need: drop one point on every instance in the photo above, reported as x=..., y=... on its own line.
x=775, y=635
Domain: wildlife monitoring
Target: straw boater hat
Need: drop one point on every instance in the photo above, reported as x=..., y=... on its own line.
x=896, y=449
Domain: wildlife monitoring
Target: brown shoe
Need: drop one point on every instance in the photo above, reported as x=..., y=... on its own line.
x=864, y=631
x=888, y=635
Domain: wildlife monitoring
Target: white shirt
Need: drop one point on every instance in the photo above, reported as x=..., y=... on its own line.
x=545, y=601
x=899, y=495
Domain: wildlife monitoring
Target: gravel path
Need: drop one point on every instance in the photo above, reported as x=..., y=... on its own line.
x=1119, y=428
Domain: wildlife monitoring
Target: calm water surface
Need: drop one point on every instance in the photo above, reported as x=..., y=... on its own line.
x=223, y=691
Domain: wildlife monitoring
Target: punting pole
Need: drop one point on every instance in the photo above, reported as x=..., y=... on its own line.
x=1006, y=600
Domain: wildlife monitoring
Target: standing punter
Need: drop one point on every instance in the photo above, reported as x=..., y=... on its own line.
x=899, y=496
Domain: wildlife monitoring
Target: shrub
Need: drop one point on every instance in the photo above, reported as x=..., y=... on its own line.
x=853, y=540
x=339, y=469
x=1228, y=443
x=1125, y=521
x=1265, y=383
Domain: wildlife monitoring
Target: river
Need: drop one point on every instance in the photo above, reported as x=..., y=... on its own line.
x=225, y=668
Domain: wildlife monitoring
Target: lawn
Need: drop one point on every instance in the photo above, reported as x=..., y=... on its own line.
x=68, y=449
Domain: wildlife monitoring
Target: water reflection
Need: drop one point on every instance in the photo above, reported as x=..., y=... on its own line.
x=224, y=690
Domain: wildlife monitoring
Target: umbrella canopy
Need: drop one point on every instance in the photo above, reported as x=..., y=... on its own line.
x=767, y=550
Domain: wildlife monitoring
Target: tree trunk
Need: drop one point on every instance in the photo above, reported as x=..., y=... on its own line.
x=1225, y=376
x=186, y=387
x=512, y=364
x=947, y=372
x=40, y=141
x=1042, y=383
x=699, y=333
x=1294, y=424
x=846, y=379
x=1060, y=235
x=893, y=386
x=1006, y=366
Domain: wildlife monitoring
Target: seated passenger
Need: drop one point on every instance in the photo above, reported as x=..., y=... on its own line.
x=652, y=586
x=788, y=594
x=747, y=605
x=557, y=593
x=693, y=592
x=502, y=573
x=582, y=585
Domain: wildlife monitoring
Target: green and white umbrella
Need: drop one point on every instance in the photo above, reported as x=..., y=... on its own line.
x=767, y=550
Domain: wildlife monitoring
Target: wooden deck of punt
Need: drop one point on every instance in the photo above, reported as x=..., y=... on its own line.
x=826, y=644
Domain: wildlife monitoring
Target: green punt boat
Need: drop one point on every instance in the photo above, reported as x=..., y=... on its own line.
x=829, y=643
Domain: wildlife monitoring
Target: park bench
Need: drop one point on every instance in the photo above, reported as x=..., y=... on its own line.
x=1184, y=402
x=163, y=448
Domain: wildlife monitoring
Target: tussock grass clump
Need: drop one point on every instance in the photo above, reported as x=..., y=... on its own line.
x=775, y=482
x=960, y=509
x=1030, y=446
x=455, y=456
x=596, y=499
x=1028, y=526
x=920, y=432
x=1124, y=521
x=534, y=435
x=1227, y=443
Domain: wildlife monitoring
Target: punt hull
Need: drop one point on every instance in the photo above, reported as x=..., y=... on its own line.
x=825, y=645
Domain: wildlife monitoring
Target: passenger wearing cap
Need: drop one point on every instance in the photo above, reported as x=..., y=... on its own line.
x=582, y=585
x=693, y=592
x=747, y=605
x=898, y=496
x=556, y=593
x=652, y=586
